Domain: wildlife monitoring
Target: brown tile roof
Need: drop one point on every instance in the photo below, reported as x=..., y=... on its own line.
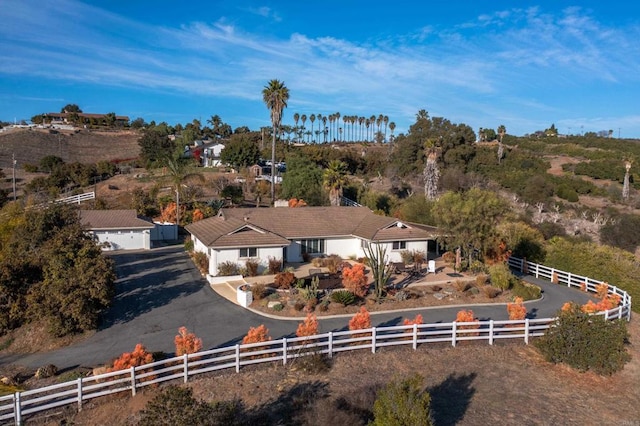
x=113, y=219
x=220, y=232
x=285, y=223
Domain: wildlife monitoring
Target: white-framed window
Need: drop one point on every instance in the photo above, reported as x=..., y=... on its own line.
x=312, y=246
x=399, y=245
x=246, y=252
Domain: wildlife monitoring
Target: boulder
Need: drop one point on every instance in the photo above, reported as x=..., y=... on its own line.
x=46, y=371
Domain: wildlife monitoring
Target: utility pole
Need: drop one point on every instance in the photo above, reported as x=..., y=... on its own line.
x=13, y=157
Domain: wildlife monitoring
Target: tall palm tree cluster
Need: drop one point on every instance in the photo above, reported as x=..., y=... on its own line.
x=338, y=128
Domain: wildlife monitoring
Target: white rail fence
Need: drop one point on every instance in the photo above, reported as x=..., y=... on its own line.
x=574, y=280
x=77, y=199
x=16, y=407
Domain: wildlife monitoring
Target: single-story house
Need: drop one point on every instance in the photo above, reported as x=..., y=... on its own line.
x=290, y=234
x=121, y=229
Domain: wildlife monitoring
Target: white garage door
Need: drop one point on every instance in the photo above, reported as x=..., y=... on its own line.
x=124, y=240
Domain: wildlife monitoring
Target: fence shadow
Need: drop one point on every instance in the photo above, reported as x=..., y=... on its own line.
x=451, y=398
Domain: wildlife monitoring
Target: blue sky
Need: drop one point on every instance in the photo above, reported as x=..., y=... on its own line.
x=522, y=64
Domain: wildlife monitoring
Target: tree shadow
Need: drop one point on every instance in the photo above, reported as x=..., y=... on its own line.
x=451, y=398
x=390, y=323
x=145, y=283
x=288, y=406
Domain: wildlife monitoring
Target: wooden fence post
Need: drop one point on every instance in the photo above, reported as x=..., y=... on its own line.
x=79, y=381
x=373, y=340
x=453, y=333
x=237, y=358
x=133, y=381
x=185, y=360
x=284, y=351
x=415, y=337
x=330, y=344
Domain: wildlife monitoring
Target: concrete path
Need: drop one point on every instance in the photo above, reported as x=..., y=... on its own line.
x=160, y=290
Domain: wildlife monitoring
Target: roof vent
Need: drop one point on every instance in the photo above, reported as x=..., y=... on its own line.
x=399, y=225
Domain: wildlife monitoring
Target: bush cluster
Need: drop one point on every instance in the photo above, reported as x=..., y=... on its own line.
x=403, y=402
x=586, y=342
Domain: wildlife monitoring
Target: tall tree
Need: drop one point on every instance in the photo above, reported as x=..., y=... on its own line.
x=303, y=118
x=303, y=180
x=392, y=127
x=179, y=175
x=385, y=120
x=469, y=220
x=334, y=178
x=296, y=118
x=625, y=184
x=502, y=130
x=312, y=118
x=431, y=175
x=275, y=95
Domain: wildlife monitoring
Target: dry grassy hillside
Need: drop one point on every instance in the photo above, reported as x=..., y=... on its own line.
x=83, y=146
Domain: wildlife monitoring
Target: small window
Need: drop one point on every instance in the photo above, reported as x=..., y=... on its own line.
x=248, y=252
x=399, y=245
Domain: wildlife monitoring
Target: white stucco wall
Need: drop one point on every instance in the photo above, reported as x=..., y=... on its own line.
x=344, y=247
x=233, y=255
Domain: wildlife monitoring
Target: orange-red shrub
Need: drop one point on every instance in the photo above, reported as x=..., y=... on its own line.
x=602, y=290
x=583, y=286
x=467, y=316
x=308, y=327
x=294, y=202
x=197, y=215
x=284, y=280
x=516, y=310
x=138, y=357
x=187, y=343
x=360, y=320
x=355, y=280
x=416, y=320
x=257, y=335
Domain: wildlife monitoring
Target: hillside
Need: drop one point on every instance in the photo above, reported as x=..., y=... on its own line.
x=83, y=146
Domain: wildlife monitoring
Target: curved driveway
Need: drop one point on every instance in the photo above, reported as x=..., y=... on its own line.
x=160, y=290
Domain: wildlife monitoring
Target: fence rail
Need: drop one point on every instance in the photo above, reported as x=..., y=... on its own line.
x=14, y=407
x=77, y=199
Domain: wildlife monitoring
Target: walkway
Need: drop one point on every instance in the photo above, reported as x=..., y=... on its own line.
x=160, y=290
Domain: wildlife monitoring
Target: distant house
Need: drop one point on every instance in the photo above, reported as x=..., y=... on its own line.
x=292, y=234
x=121, y=229
x=211, y=155
x=83, y=118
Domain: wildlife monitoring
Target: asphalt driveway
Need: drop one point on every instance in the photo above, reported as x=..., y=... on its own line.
x=160, y=290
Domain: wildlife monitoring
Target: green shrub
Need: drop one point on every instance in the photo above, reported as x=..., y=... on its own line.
x=566, y=193
x=30, y=168
x=586, y=342
x=176, y=406
x=188, y=245
x=278, y=307
x=525, y=290
x=403, y=403
x=227, y=268
x=345, y=297
x=501, y=276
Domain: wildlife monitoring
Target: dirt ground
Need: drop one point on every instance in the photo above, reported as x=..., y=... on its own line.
x=472, y=384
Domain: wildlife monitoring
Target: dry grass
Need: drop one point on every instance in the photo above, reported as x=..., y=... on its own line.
x=472, y=384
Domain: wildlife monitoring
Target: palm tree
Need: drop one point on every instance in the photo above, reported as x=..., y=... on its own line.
x=178, y=175
x=303, y=118
x=392, y=127
x=337, y=115
x=332, y=118
x=275, y=95
x=312, y=118
x=334, y=179
x=367, y=124
x=361, y=123
x=324, y=127
x=296, y=118
x=345, y=120
x=501, y=131
x=385, y=120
